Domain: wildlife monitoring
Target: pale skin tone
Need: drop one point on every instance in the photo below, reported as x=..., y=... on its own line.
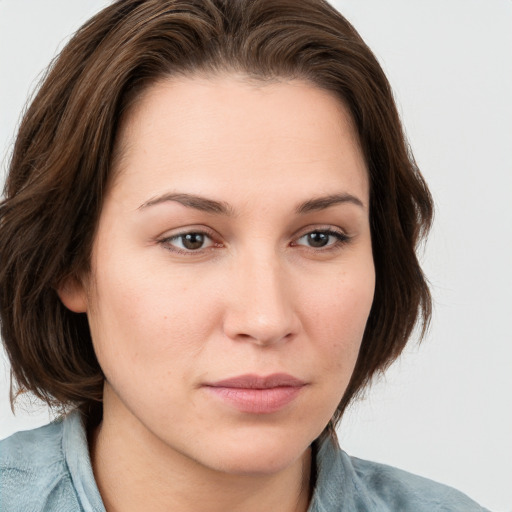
x=276, y=276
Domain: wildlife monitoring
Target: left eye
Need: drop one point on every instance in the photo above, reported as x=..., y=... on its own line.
x=319, y=239
x=190, y=241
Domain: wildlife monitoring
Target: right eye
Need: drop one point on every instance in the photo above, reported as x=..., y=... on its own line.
x=192, y=241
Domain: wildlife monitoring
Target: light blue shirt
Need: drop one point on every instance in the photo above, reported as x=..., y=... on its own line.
x=48, y=469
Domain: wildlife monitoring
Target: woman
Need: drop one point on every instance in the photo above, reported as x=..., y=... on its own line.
x=208, y=240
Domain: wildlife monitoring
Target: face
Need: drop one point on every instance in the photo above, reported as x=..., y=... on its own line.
x=232, y=271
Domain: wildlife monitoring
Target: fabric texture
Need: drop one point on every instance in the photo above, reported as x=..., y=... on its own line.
x=48, y=469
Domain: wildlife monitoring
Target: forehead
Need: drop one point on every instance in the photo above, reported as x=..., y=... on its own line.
x=228, y=128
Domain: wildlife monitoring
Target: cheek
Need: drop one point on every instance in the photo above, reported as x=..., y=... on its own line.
x=343, y=301
x=145, y=320
x=334, y=318
x=337, y=317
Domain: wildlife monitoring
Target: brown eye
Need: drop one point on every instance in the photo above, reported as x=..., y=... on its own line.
x=320, y=239
x=193, y=241
x=317, y=239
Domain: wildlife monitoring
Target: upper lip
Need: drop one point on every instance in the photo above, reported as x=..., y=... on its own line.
x=252, y=381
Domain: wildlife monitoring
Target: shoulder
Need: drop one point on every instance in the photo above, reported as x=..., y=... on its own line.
x=33, y=471
x=347, y=483
x=401, y=490
x=40, y=446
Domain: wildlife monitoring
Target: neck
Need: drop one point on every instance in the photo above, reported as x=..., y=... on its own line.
x=135, y=472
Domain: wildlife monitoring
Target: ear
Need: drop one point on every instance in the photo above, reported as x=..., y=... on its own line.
x=72, y=294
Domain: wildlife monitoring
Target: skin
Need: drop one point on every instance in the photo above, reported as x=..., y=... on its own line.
x=257, y=297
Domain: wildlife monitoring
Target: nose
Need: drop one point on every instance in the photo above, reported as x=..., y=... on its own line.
x=260, y=307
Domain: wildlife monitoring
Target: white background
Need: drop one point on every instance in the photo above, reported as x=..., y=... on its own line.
x=445, y=409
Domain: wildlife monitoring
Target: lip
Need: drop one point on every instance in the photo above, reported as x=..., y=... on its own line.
x=256, y=394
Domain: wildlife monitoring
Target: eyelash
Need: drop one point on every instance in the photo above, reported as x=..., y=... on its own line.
x=167, y=242
x=340, y=240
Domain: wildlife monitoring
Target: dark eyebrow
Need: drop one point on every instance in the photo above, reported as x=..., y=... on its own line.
x=321, y=203
x=223, y=208
x=191, y=201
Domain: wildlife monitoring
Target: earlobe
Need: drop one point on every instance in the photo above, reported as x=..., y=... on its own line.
x=72, y=294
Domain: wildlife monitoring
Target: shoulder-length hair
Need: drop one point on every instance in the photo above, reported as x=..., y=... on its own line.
x=63, y=158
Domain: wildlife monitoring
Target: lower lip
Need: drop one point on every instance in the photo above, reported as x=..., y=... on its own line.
x=257, y=401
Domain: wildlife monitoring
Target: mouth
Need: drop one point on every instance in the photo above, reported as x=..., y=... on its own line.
x=256, y=394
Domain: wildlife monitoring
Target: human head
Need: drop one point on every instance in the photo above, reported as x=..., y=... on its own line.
x=66, y=150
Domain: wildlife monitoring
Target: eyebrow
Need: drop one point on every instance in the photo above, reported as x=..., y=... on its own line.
x=222, y=208
x=321, y=203
x=192, y=201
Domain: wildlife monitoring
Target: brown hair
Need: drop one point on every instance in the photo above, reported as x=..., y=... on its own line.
x=62, y=161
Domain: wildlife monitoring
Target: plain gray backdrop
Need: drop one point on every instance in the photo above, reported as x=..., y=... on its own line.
x=445, y=409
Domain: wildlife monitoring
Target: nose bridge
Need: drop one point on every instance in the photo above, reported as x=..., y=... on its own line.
x=261, y=308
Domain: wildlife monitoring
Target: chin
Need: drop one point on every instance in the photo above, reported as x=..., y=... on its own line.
x=261, y=453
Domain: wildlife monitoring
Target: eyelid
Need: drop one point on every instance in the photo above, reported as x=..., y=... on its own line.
x=321, y=228
x=167, y=237
x=165, y=240
x=341, y=237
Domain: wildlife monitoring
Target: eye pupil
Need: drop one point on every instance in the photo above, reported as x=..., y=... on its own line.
x=192, y=241
x=318, y=239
